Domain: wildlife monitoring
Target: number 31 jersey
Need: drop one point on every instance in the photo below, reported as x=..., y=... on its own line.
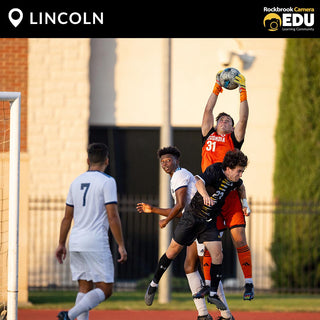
x=89, y=194
x=215, y=146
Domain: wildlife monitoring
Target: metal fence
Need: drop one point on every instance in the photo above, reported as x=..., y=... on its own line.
x=284, y=241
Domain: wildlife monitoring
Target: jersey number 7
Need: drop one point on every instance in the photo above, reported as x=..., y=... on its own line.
x=84, y=186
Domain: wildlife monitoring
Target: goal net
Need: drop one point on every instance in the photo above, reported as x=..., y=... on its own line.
x=10, y=106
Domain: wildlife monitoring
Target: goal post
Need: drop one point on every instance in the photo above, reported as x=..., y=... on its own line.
x=14, y=98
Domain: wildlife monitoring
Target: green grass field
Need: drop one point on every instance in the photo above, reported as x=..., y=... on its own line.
x=179, y=301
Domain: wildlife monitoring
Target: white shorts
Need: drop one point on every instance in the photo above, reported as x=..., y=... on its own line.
x=93, y=266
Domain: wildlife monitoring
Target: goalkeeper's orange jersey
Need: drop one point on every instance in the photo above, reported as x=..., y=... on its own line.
x=215, y=146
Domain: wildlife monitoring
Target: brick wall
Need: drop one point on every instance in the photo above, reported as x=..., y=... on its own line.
x=14, y=77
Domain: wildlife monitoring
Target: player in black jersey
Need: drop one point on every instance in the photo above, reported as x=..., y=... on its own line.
x=199, y=220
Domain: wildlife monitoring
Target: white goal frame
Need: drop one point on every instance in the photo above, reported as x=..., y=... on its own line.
x=14, y=191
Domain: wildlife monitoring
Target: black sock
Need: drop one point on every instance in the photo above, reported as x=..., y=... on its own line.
x=162, y=266
x=216, y=275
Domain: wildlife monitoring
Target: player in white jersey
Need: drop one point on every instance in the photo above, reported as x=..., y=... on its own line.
x=92, y=205
x=182, y=187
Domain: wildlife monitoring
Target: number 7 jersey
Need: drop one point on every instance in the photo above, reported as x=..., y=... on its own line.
x=89, y=194
x=215, y=146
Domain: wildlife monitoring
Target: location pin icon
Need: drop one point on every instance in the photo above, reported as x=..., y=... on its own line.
x=15, y=21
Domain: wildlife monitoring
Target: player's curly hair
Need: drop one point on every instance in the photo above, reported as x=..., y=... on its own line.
x=234, y=158
x=222, y=114
x=169, y=150
x=97, y=152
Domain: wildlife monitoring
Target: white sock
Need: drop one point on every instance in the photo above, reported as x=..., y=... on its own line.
x=195, y=284
x=248, y=280
x=220, y=293
x=85, y=315
x=88, y=301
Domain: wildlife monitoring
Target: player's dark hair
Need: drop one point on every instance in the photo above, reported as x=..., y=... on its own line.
x=97, y=152
x=234, y=158
x=169, y=150
x=222, y=114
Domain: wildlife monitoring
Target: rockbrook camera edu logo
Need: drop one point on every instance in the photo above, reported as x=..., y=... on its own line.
x=61, y=18
x=289, y=19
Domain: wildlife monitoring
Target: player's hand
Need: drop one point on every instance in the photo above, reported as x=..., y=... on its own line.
x=208, y=201
x=61, y=253
x=245, y=207
x=241, y=81
x=218, y=77
x=143, y=207
x=246, y=211
x=123, y=254
x=217, y=86
x=163, y=223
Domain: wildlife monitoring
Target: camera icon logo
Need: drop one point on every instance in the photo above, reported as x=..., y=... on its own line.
x=272, y=22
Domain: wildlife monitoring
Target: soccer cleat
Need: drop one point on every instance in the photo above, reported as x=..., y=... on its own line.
x=248, y=292
x=216, y=300
x=206, y=317
x=222, y=318
x=63, y=315
x=204, y=291
x=149, y=296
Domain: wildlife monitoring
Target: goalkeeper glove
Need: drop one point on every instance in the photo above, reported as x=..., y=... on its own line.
x=241, y=81
x=217, y=86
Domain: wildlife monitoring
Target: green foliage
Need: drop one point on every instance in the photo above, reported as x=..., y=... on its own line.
x=295, y=248
x=297, y=166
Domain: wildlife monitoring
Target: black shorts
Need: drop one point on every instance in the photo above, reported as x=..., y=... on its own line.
x=190, y=228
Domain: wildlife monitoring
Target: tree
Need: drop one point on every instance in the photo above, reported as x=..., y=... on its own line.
x=297, y=168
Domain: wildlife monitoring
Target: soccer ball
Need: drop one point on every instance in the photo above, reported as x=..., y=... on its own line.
x=227, y=78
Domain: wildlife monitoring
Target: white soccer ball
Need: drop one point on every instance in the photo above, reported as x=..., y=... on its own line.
x=227, y=78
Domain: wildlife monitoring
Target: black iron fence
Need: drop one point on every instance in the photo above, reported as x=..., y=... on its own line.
x=284, y=240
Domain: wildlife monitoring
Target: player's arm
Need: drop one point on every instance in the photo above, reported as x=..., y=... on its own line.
x=116, y=229
x=61, y=250
x=148, y=208
x=207, y=119
x=201, y=187
x=176, y=211
x=243, y=197
x=241, y=126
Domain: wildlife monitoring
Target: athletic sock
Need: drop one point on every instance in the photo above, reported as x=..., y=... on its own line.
x=244, y=256
x=216, y=275
x=206, y=264
x=224, y=313
x=84, y=315
x=88, y=301
x=162, y=266
x=195, y=284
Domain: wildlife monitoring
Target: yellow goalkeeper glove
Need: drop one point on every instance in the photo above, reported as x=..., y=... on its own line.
x=217, y=86
x=241, y=81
